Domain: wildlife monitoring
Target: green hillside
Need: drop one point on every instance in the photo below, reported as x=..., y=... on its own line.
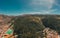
x=32, y=26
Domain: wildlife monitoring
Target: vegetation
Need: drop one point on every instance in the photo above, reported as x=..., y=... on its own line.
x=28, y=27
x=52, y=22
x=33, y=26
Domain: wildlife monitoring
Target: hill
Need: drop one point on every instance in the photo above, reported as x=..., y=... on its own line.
x=31, y=26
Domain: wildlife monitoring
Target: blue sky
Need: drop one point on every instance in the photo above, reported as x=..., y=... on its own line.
x=19, y=7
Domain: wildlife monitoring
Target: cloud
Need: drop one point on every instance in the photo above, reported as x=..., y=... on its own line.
x=42, y=4
x=24, y=13
x=57, y=4
x=41, y=12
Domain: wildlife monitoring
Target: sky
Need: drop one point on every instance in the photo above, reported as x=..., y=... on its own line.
x=19, y=7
